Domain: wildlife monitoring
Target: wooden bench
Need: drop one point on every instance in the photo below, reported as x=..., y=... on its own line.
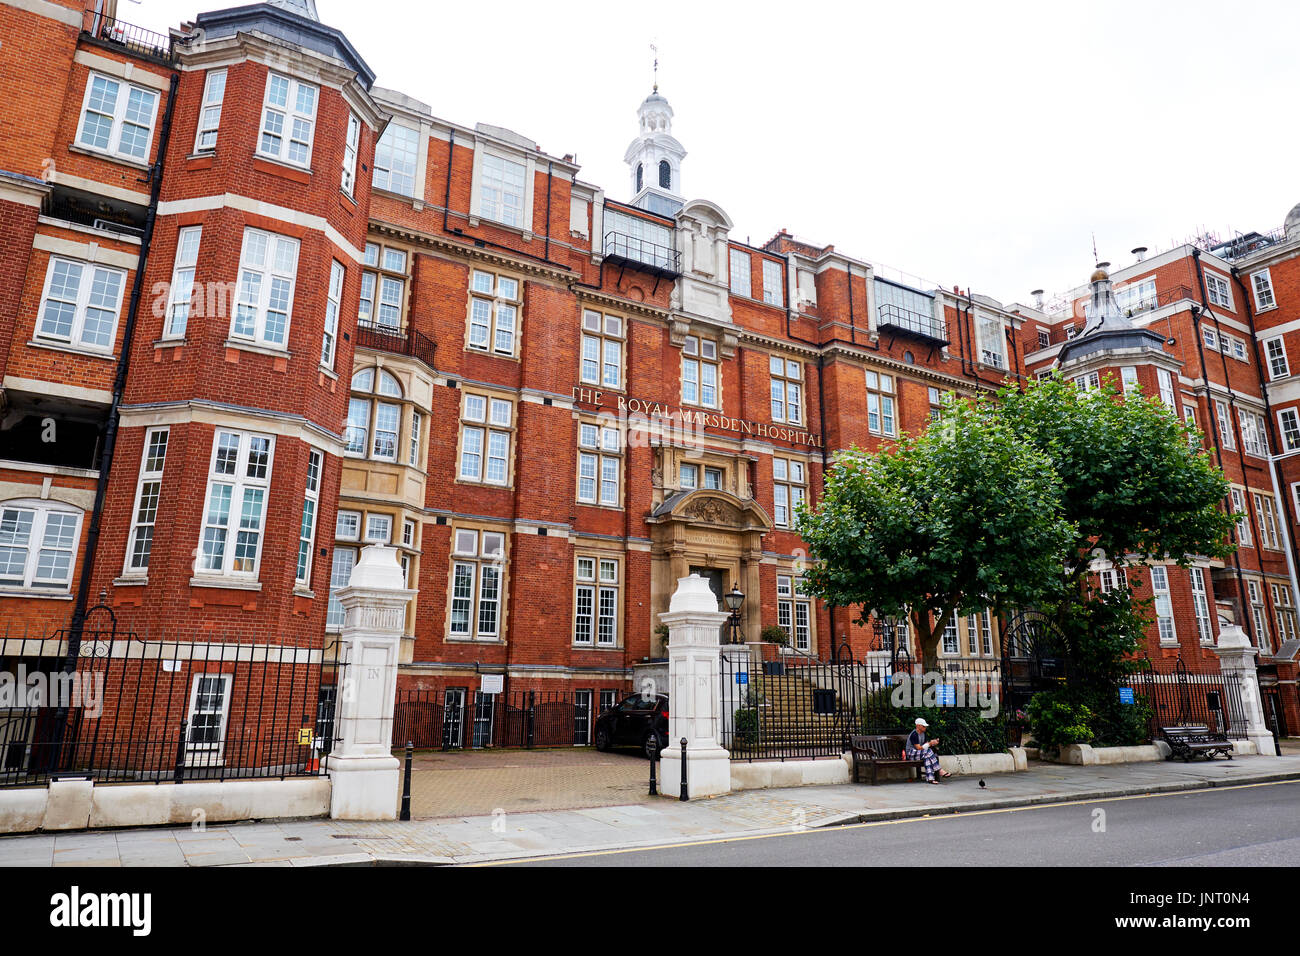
x=880, y=750
x=1191, y=740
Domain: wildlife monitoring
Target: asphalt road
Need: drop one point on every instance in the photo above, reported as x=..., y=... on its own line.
x=1252, y=825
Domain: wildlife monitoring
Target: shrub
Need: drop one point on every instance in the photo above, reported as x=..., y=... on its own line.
x=775, y=634
x=1057, y=718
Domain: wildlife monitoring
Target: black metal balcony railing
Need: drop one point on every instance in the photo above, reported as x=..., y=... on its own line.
x=625, y=248
x=387, y=338
x=897, y=318
x=1149, y=303
x=147, y=43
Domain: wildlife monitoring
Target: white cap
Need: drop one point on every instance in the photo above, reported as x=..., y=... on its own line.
x=920, y=722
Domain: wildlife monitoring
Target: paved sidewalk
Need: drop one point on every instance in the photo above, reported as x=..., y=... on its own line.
x=478, y=839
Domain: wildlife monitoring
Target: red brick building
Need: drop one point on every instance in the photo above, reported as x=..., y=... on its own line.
x=261, y=312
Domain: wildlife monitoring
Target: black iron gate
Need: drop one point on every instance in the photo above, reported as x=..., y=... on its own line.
x=455, y=718
x=1033, y=658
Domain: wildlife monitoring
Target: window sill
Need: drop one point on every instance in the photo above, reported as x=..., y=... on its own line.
x=232, y=584
x=246, y=346
x=284, y=168
x=131, y=581
x=1267, y=308
x=607, y=648
x=171, y=343
x=483, y=484
x=477, y=219
x=328, y=372
x=75, y=350
x=111, y=157
x=12, y=592
x=492, y=353
x=469, y=640
x=598, y=506
x=304, y=593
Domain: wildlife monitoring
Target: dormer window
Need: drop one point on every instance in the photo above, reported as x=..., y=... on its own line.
x=501, y=191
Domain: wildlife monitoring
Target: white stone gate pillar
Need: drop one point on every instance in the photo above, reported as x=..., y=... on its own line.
x=1237, y=656
x=695, y=697
x=364, y=774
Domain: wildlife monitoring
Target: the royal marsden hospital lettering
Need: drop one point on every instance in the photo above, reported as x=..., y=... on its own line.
x=661, y=412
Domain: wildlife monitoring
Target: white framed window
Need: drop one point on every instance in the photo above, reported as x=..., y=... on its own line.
x=599, y=464
x=502, y=192
x=288, y=120
x=209, y=710
x=1210, y=338
x=1136, y=297
x=345, y=559
x=181, y=293
x=1290, y=423
x=1259, y=614
x=772, y=283
x=993, y=348
x=333, y=301
x=383, y=291
x=1244, y=538
x=1129, y=379
x=1044, y=339
x=396, y=156
x=239, y=482
x=413, y=452
x=80, y=304
x=793, y=612
x=1166, y=382
x=596, y=601
x=1164, y=606
x=1275, y=350
x=936, y=398
x=494, y=305
x=713, y=478
x=1109, y=580
x=379, y=529
x=214, y=91
x=347, y=525
x=310, y=505
x=373, y=417
x=1226, y=435
x=602, y=349
x=348, y=175
x=148, y=492
x=485, y=438
x=689, y=476
x=117, y=118
x=1284, y=610
x=38, y=540
x=408, y=533
x=700, y=372
x=1201, y=605
x=1089, y=381
x=880, y=403
x=951, y=642
x=1216, y=288
x=789, y=486
x=786, y=384
x=1254, y=440
x=1267, y=517
x=477, y=569
x=741, y=282
x=268, y=269
x=986, y=633
x=1262, y=284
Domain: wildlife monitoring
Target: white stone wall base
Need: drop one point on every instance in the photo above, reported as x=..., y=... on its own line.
x=77, y=805
x=1086, y=755
x=762, y=774
x=980, y=764
x=708, y=772
x=364, y=788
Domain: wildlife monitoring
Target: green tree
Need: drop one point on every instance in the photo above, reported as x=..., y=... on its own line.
x=963, y=517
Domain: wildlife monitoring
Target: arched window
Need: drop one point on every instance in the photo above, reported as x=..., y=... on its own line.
x=640, y=176
x=665, y=174
x=366, y=416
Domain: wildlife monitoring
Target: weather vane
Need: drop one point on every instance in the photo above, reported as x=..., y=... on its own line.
x=656, y=67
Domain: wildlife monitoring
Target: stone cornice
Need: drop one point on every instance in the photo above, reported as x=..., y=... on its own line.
x=498, y=257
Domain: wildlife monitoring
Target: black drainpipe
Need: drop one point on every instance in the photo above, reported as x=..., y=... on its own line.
x=1241, y=459
x=78, y=622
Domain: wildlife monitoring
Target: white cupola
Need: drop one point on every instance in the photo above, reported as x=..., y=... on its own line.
x=654, y=158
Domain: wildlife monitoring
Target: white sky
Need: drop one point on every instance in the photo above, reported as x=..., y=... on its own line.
x=978, y=144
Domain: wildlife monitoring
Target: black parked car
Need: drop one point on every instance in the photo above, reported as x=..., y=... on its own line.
x=636, y=722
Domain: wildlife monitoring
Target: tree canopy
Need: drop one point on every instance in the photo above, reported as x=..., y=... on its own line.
x=1005, y=500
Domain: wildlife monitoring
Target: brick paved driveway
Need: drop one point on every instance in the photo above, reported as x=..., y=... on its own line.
x=475, y=782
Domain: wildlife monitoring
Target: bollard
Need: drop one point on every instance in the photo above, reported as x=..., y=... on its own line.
x=684, y=796
x=406, y=783
x=654, y=759
x=178, y=775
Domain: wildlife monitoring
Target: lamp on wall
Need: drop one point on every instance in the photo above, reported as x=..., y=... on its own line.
x=734, y=599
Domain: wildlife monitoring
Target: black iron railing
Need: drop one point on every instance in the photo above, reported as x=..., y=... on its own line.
x=137, y=40
x=1149, y=303
x=387, y=338
x=1179, y=698
x=162, y=708
x=625, y=248
x=891, y=316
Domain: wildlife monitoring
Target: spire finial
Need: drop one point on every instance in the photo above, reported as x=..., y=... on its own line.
x=656, y=67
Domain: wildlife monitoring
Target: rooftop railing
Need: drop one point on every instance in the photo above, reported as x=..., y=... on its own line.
x=895, y=317
x=619, y=246
x=138, y=40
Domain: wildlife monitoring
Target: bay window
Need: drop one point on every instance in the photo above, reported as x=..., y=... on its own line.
x=268, y=268
x=37, y=545
x=239, y=481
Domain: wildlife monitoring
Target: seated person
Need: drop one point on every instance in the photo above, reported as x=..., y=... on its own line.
x=918, y=748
